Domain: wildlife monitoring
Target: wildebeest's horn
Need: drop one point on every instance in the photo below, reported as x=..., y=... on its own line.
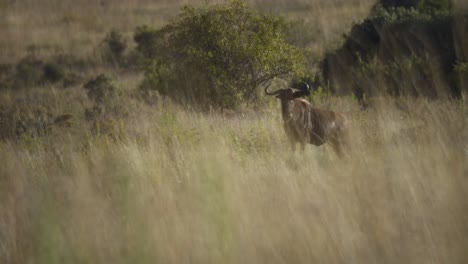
x=272, y=93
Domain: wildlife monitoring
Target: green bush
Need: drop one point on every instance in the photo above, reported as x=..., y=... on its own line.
x=115, y=46
x=31, y=71
x=217, y=55
x=103, y=89
x=53, y=73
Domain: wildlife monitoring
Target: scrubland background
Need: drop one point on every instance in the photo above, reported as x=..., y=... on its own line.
x=156, y=182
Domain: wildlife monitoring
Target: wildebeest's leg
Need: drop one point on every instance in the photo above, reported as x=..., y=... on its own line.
x=337, y=147
x=339, y=143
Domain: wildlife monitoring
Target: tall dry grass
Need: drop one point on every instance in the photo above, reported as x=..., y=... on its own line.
x=188, y=187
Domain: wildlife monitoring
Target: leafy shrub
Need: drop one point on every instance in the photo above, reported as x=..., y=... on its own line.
x=147, y=38
x=115, y=46
x=217, y=55
x=103, y=89
x=53, y=73
x=31, y=71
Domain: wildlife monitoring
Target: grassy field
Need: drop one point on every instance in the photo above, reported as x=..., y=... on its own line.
x=155, y=182
x=48, y=27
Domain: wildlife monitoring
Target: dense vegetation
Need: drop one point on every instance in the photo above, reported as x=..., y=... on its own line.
x=409, y=48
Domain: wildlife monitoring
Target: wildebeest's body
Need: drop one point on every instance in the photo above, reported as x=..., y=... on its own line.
x=305, y=124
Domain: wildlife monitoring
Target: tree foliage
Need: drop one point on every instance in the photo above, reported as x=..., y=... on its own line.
x=217, y=55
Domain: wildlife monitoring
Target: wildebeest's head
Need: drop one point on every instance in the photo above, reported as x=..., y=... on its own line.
x=287, y=94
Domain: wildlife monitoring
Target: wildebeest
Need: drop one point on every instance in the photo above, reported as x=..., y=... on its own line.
x=305, y=124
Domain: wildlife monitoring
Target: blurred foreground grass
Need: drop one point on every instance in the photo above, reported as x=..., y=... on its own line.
x=180, y=186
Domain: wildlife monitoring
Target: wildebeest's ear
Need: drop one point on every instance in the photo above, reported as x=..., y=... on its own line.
x=300, y=93
x=301, y=89
x=306, y=88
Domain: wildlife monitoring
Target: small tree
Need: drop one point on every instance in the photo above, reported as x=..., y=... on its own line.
x=217, y=55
